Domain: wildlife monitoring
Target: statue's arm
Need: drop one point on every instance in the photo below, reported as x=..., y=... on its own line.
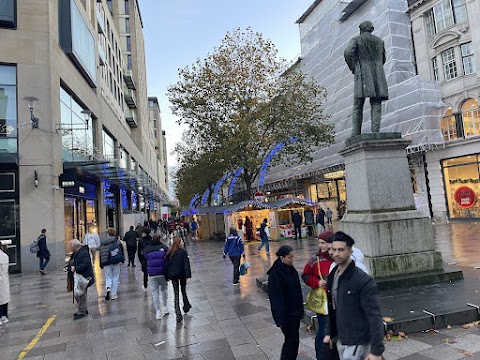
x=350, y=54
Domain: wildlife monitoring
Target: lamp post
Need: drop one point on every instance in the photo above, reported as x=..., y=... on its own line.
x=32, y=101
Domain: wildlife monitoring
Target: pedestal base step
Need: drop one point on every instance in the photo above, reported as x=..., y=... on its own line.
x=418, y=279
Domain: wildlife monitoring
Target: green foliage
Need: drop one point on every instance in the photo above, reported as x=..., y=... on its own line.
x=239, y=102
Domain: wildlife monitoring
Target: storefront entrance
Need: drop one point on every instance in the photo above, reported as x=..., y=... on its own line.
x=462, y=186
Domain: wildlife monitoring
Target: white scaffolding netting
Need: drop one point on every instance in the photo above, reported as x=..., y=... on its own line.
x=414, y=107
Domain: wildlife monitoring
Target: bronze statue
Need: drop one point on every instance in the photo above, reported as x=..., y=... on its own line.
x=365, y=56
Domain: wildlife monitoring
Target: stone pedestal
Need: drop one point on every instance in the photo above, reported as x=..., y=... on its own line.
x=396, y=238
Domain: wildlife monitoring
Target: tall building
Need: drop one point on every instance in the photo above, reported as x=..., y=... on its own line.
x=414, y=106
x=447, y=43
x=77, y=149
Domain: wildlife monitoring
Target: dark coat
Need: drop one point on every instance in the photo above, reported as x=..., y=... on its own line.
x=142, y=245
x=365, y=56
x=320, y=219
x=105, y=250
x=42, y=246
x=358, y=320
x=83, y=264
x=155, y=254
x=297, y=219
x=131, y=239
x=178, y=265
x=285, y=293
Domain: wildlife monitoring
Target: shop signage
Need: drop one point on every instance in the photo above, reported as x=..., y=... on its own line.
x=67, y=180
x=259, y=196
x=465, y=197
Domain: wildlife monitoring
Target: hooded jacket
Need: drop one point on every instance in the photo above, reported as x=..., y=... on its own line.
x=155, y=254
x=105, y=250
x=178, y=266
x=285, y=293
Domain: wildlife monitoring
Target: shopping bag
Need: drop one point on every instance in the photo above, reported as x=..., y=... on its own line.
x=328, y=351
x=247, y=265
x=243, y=269
x=81, y=284
x=317, y=301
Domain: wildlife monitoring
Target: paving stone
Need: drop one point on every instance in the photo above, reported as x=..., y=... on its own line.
x=442, y=352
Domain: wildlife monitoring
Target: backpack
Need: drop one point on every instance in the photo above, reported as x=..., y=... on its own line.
x=34, y=248
x=115, y=254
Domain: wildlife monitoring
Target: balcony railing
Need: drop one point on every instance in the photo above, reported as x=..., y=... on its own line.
x=130, y=98
x=128, y=78
x=131, y=118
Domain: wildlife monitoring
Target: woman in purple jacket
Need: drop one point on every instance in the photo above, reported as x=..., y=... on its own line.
x=155, y=254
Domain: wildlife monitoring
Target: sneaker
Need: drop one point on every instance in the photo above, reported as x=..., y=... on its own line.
x=186, y=308
x=4, y=320
x=114, y=297
x=107, y=297
x=86, y=312
x=134, y=265
x=158, y=315
x=236, y=283
x=79, y=316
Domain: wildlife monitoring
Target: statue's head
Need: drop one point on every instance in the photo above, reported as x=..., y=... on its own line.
x=366, y=26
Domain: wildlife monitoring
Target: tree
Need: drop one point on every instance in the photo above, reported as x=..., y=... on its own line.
x=240, y=102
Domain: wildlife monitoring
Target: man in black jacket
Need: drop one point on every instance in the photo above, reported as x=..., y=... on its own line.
x=131, y=239
x=353, y=308
x=81, y=265
x=297, y=224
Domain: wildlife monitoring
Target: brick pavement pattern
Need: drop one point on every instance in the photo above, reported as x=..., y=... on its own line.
x=226, y=321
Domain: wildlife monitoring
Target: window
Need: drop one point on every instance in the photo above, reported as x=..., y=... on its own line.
x=435, y=68
x=449, y=126
x=468, y=59
x=8, y=14
x=8, y=108
x=127, y=25
x=449, y=64
x=127, y=8
x=129, y=44
x=109, y=4
x=445, y=14
x=129, y=62
x=108, y=146
x=471, y=117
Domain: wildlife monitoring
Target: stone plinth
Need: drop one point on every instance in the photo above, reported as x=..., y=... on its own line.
x=396, y=238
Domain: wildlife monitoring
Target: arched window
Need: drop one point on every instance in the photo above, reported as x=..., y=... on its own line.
x=448, y=126
x=471, y=117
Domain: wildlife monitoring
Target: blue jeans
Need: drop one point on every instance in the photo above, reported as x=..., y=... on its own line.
x=112, y=277
x=322, y=322
x=265, y=242
x=158, y=282
x=43, y=264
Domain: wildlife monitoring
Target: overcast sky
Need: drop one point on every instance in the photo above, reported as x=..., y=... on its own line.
x=177, y=32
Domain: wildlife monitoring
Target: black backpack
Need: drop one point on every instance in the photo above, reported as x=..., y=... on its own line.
x=115, y=254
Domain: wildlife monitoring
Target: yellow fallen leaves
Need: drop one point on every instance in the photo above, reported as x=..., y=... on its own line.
x=390, y=337
x=469, y=325
x=388, y=319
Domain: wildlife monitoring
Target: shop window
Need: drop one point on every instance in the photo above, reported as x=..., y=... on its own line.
x=468, y=59
x=449, y=64
x=445, y=14
x=448, y=126
x=462, y=185
x=471, y=117
x=8, y=108
x=108, y=146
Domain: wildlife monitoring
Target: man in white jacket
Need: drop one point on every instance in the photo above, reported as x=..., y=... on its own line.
x=93, y=241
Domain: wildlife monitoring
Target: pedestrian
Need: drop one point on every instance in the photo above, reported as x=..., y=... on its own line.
x=178, y=270
x=139, y=230
x=181, y=232
x=155, y=254
x=329, y=214
x=248, y=229
x=194, y=227
x=92, y=240
x=365, y=57
x=264, y=236
x=153, y=225
x=320, y=221
x=43, y=254
x=353, y=306
x=286, y=300
x=142, y=244
x=235, y=250
x=297, y=224
x=82, y=265
x=4, y=284
x=111, y=256
x=357, y=256
x=165, y=226
x=130, y=238
x=314, y=275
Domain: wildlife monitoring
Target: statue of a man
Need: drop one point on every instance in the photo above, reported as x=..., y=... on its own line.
x=365, y=56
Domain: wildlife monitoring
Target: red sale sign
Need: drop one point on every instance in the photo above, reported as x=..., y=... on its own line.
x=465, y=197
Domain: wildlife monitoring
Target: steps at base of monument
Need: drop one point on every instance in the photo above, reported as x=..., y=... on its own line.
x=419, y=279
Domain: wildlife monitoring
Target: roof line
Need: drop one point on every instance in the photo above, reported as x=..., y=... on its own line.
x=302, y=18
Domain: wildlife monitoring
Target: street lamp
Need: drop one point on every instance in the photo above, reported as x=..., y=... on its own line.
x=31, y=102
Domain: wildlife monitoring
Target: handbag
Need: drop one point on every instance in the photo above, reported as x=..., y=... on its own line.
x=80, y=284
x=316, y=300
x=329, y=351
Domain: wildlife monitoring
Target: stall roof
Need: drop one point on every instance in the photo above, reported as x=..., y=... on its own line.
x=259, y=205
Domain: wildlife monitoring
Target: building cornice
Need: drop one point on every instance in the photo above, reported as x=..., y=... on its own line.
x=415, y=4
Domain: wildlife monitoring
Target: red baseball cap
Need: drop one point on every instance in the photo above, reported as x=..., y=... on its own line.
x=325, y=235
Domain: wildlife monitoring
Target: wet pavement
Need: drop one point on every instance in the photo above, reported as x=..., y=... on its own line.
x=226, y=321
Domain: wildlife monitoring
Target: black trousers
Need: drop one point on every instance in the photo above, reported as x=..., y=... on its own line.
x=183, y=285
x=236, y=268
x=131, y=255
x=4, y=310
x=292, y=340
x=145, y=273
x=298, y=231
